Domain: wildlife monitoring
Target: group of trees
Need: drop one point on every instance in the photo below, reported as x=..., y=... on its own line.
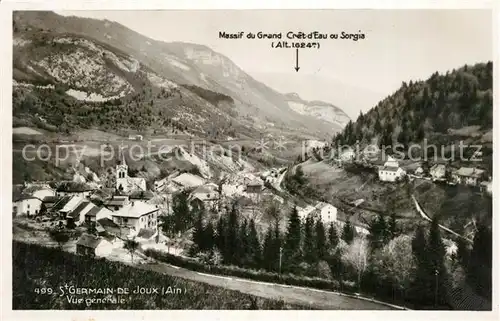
x=296, y=182
x=456, y=99
x=182, y=217
x=304, y=249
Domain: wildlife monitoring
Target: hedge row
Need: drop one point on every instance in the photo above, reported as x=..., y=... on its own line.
x=260, y=275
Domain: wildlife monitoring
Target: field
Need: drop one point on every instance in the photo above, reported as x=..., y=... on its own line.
x=37, y=268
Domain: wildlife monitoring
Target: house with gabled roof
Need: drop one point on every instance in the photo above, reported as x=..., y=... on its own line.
x=391, y=171
x=136, y=215
x=469, y=176
x=26, y=205
x=93, y=246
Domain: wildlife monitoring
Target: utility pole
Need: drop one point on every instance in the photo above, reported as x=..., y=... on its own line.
x=436, y=273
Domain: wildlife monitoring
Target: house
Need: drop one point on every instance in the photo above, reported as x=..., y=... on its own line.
x=360, y=227
x=254, y=186
x=70, y=206
x=419, y=171
x=136, y=215
x=77, y=216
x=438, y=172
x=49, y=202
x=106, y=226
x=206, y=195
x=187, y=180
x=487, y=186
x=93, y=246
x=116, y=202
x=26, y=205
x=391, y=171
x=326, y=212
x=96, y=213
x=347, y=155
x=468, y=176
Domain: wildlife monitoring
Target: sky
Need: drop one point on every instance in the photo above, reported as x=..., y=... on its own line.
x=399, y=45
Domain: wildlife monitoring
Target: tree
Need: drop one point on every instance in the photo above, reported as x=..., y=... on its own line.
x=254, y=247
x=392, y=226
x=243, y=250
x=220, y=235
x=181, y=212
x=333, y=237
x=378, y=232
x=291, y=248
x=309, y=247
x=479, y=271
x=394, y=265
x=232, y=238
x=131, y=245
x=321, y=245
x=60, y=237
x=436, y=253
x=356, y=256
x=348, y=232
x=268, y=251
x=198, y=235
x=208, y=237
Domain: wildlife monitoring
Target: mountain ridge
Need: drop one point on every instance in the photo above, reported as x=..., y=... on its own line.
x=180, y=63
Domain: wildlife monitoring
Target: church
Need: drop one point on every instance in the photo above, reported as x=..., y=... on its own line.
x=127, y=184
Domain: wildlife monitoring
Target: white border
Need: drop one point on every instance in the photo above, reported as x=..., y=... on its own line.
x=6, y=8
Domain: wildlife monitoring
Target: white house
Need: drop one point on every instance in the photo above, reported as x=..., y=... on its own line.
x=468, y=176
x=97, y=213
x=391, y=171
x=93, y=246
x=137, y=215
x=125, y=183
x=327, y=212
x=438, y=171
x=26, y=205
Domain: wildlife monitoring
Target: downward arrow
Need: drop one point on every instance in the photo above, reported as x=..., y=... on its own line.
x=297, y=60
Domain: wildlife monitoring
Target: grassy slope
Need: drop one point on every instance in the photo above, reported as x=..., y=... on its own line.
x=36, y=267
x=456, y=206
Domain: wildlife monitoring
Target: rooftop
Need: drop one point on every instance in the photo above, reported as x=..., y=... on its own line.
x=390, y=168
x=135, y=209
x=76, y=212
x=470, y=172
x=188, y=180
x=88, y=240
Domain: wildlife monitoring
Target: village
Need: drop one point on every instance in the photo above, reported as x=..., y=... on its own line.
x=108, y=216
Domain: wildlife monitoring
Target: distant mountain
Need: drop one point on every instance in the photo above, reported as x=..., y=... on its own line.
x=318, y=109
x=102, y=74
x=350, y=98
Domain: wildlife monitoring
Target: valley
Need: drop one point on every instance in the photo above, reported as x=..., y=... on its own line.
x=158, y=158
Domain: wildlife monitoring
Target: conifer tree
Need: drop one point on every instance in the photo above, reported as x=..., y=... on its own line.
x=291, y=248
x=309, y=248
x=232, y=238
x=348, y=232
x=254, y=247
x=321, y=243
x=436, y=255
x=479, y=272
x=268, y=258
x=333, y=237
x=243, y=244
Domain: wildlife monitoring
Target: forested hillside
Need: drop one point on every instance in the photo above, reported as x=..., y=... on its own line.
x=426, y=109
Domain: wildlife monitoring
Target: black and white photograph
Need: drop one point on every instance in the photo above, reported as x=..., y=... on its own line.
x=252, y=159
